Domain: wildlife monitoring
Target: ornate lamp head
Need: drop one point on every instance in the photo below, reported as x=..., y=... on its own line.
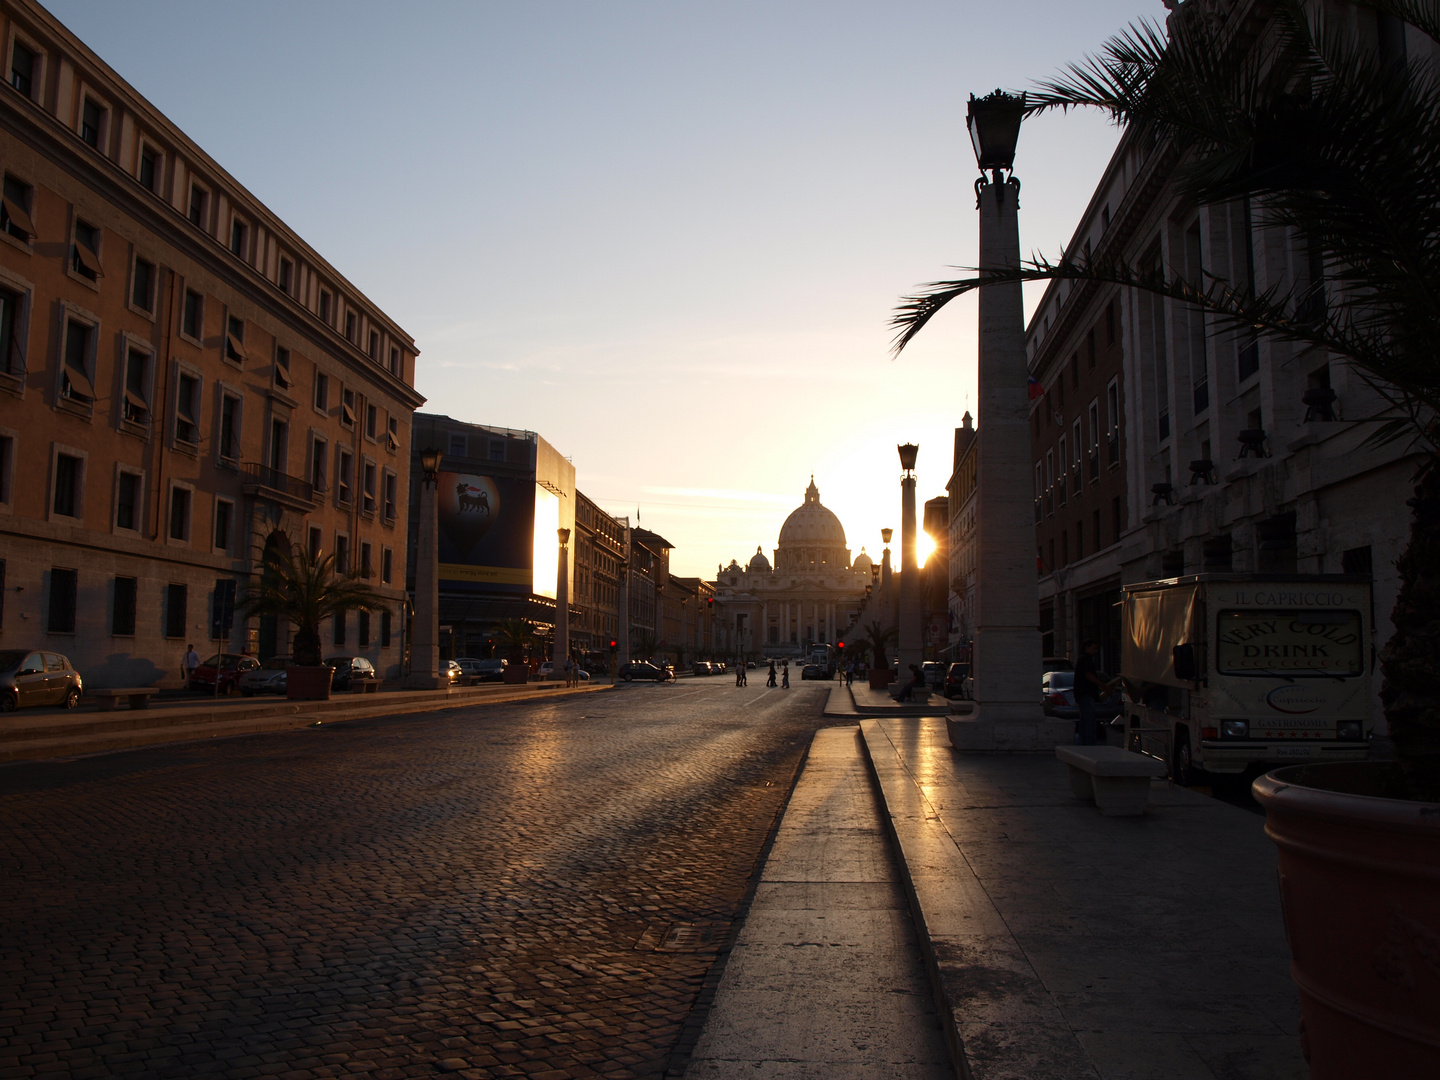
x=994, y=123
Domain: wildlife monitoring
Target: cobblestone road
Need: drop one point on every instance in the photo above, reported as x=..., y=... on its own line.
x=458, y=893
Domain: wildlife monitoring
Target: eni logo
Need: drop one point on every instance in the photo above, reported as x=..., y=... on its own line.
x=1294, y=700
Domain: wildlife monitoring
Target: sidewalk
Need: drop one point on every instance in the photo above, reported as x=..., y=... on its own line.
x=858, y=700
x=1063, y=944
x=825, y=979
x=34, y=734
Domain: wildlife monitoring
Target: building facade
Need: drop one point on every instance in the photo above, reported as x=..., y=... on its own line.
x=184, y=385
x=811, y=594
x=599, y=548
x=502, y=496
x=961, y=536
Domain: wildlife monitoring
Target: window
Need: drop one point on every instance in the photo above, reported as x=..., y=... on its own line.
x=339, y=628
x=122, y=614
x=459, y=446
x=192, y=321
x=1079, y=540
x=15, y=218
x=75, y=381
x=90, y=116
x=69, y=471
x=387, y=567
x=179, y=513
x=395, y=362
x=12, y=360
x=1111, y=320
x=279, y=445
x=237, y=237
x=1095, y=528
x=127, y=502
x=389, y=502
x=63, y=587
x=7, y=464
x=136, y=407
x=342, y=553
x=315, y=543
x=22, y=69
x=344, y=476
x=175, y=611
x=142, y=284
x=366, y=563
x=229, y=428
x=199, y=198
x=362, y=630
x=317, y=464
x=325, y=307
x=224, y=511
x=372, y=420
x=374, y=349
x=384, y=629
x=347, y=408
x=287, y=274
x=187, y=409
x=322, y=392
x=85, y=259
x=282, y=368
x=235, y=340
x=392, y=434
x=149, y=168
x=1089, y=351
x=368, y=488
x=1094, y=426
x=1117, y=520
x=350, y=327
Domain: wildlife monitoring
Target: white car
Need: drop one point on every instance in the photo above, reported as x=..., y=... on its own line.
x=548, y=673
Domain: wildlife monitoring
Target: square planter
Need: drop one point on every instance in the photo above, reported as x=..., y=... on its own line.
x=880, y=678
x=308, y=683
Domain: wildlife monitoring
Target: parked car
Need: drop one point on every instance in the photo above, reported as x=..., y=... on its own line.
x=957, y=681
x=266, y=678
x=1056, y=663
x=451, y=672
x=643, y=669
x=37, y=678
x=350, y=670
x=481, y=670
x=812, y=671
x=934, y=672
x=702, y=667
x=749, y=665
x=230, y=666
x=1057, y=696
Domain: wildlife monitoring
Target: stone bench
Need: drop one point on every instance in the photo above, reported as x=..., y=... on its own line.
x=1117, y=779
x=365, y=686
x=109, y=698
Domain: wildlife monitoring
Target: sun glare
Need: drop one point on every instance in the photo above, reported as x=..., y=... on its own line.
x=924, y=545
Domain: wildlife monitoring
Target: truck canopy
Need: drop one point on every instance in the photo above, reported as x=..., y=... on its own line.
x=1154, y=622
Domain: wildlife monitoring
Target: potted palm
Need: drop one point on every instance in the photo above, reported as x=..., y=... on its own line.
x=304, y=591
x=516, y=636
x=1342, y=147
x=876, y=640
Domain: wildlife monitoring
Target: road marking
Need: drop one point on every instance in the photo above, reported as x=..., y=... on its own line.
x=753, y=700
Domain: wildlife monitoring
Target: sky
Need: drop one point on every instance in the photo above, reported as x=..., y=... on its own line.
x=669, y=237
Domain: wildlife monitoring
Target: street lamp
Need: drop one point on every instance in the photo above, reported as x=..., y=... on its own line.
x=429, y=465
x=994, y=123
x=907, y=456
x=911, y=640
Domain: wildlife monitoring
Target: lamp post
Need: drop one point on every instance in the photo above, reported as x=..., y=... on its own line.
x=910, y=641
x=562, y=602
x=1006, y=653
x=425, y=646
x=887, y=611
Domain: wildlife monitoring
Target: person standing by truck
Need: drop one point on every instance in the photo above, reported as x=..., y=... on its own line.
x=1089, y=689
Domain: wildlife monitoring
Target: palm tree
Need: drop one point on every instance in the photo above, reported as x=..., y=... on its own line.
x=306, y=590
x=1341, y=146
x=516, y=636
x=875, y=641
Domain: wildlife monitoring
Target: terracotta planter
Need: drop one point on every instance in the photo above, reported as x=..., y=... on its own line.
x=516, y=673
x=308, y=683
x=1360, y=892
x=881, y=677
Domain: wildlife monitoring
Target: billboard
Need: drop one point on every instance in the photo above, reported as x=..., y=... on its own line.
x=487, y=527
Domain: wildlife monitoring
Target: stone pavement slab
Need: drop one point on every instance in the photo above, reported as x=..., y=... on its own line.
x=1067, y=944
x=825, y=979
x=879, y=703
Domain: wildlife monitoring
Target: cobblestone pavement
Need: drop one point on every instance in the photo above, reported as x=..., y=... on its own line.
x=458, y=893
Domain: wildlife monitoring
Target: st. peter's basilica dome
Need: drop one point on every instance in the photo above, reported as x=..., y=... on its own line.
x=812, y=537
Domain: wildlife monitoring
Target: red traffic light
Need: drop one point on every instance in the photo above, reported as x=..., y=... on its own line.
x=841, y=644
x=613, y=644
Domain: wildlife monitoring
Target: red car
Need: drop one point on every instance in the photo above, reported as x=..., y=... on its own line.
x=230, y=665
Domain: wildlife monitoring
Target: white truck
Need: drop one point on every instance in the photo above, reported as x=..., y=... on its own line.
x=1225, y=671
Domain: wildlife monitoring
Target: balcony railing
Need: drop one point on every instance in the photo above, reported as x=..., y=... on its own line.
x=267, y=482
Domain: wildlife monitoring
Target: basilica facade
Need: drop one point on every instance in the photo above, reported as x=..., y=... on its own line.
x=808, y=596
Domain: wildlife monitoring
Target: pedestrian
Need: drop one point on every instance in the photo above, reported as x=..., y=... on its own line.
x=771, y=680
x=785, y=676
x=850, y=673
x=1089, y=689
x=190, y=663
x=739, y=675
x=569, y=671
x=744, y=678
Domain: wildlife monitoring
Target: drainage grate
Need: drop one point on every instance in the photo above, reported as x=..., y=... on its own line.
x=682, y=937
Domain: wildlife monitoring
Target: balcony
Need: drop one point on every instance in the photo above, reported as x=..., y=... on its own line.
x=263, y=482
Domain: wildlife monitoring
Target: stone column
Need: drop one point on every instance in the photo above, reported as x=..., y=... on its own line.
x=425, y=645
x=562, y=603
x=1006, y=603
x=911, y=642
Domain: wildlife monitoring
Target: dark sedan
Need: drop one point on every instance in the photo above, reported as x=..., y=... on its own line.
x=812, y=671
x=349, y=670
x=641, y=669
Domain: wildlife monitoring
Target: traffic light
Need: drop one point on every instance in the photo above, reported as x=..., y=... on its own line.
x=841, y=645
x=614, y=644
x=710, y=601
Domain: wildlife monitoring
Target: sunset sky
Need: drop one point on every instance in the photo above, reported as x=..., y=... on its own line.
x=667, y=236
